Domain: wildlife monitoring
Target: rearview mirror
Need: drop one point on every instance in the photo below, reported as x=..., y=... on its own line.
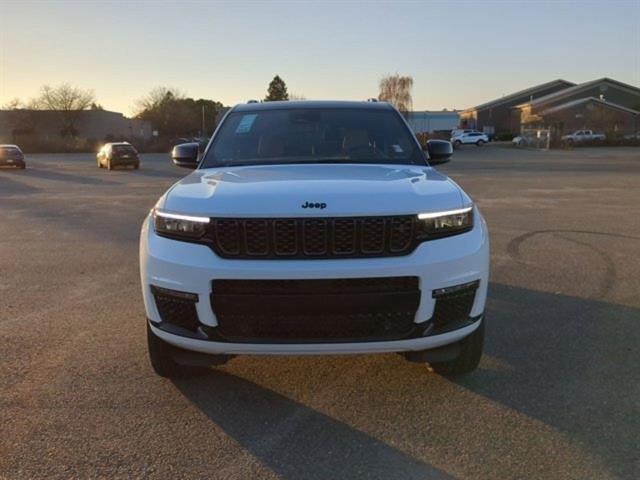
x=440, y=151
x=185, y=155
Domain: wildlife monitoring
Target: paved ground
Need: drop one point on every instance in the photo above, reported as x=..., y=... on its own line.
x=557, y=395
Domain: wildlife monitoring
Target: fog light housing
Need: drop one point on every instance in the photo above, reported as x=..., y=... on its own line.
x=453, y=306
x=177, y=308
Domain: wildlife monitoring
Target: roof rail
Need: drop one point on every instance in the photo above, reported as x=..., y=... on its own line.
x=372, y=99
x=252, y=101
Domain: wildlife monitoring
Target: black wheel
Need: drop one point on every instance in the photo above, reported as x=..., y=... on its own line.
x=136, y=165
x=469, y=357
x=479, y=143
x=22, y=166
x=162, y=361
x=457, y=144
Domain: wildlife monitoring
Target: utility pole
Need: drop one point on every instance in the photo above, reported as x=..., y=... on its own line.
x=202, y=133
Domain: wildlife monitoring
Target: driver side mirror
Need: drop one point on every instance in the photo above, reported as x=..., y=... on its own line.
x=185, y=155
x=440, y=151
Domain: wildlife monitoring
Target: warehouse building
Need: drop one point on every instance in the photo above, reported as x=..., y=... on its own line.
x=498, y=116
x=46, y=125
x=433, y=122
x=604, y=105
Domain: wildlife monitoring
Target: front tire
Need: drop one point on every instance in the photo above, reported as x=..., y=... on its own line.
x=457, y=144
x=161, y=359
x=470, y=353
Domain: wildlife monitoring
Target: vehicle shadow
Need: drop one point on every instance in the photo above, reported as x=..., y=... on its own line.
x=65, y=177
x=147, y=172
x=9, y=186
x=573, y=363
x=569, y=363
x=294, y=440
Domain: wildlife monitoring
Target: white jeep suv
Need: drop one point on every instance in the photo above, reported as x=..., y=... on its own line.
x=313, y=228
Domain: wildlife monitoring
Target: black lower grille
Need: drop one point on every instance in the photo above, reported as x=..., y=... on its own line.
x=352, y=237
x=362, y=309
x=316, y=328
x=176, y=308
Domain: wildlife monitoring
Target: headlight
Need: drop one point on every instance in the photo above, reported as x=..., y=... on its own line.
x=179, y=226
x=442, y=224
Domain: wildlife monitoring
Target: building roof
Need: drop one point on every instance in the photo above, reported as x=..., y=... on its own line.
x=286, y=105
x=526, y=92
x=577, y=89
x=435, y=113
x=580, y=101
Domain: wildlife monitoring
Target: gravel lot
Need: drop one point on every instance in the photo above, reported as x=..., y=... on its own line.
x=557, y=394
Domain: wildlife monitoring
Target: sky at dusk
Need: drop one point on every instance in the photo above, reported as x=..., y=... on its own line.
x=459, y=53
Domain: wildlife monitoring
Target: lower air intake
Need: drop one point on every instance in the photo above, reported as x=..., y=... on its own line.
x=176, y=308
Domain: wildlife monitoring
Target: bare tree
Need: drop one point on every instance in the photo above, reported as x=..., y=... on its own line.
x=171, y=112
x=157, y=97
x=163, y=107
x=396, y=89
x=13, y=104
x=297, y=96
x=68, y=101
x=64, y=98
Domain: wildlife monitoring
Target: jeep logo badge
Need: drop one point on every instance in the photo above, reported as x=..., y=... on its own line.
x=314, y=205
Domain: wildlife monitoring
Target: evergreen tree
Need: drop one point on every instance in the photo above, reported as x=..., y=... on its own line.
x=277, y=90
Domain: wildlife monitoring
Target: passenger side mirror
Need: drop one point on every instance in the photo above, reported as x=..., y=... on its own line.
x=185, y=155
x=440, y=151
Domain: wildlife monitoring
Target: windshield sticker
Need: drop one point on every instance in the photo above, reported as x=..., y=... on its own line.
x=397, y=148
x=246, y=123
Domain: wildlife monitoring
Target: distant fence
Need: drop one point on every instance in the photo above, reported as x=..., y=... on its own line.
x=536, y=138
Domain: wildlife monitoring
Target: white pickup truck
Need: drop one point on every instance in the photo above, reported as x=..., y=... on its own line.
x=583, y=136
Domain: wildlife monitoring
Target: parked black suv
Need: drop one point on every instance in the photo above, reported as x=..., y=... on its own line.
x=116, y=154
x=11, y=156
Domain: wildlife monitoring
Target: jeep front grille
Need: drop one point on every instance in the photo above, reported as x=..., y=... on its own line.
x=341, y=237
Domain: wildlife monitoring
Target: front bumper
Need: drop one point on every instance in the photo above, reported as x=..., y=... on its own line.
x=225, y=348
x=190, y=267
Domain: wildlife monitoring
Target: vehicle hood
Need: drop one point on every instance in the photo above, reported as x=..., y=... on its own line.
x=343, y=190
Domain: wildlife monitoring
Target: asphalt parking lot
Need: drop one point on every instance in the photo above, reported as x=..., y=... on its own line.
x=557, y=395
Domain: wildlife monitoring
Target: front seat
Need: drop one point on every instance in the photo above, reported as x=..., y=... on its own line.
x=356, y=142
x=270, y=146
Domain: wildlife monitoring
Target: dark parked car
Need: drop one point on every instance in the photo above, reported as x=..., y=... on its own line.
x=11, y=156
x=117, y=154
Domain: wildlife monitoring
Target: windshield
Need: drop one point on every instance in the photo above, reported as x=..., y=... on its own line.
x=10, y=151
x=123, y=149
x=313, y=136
